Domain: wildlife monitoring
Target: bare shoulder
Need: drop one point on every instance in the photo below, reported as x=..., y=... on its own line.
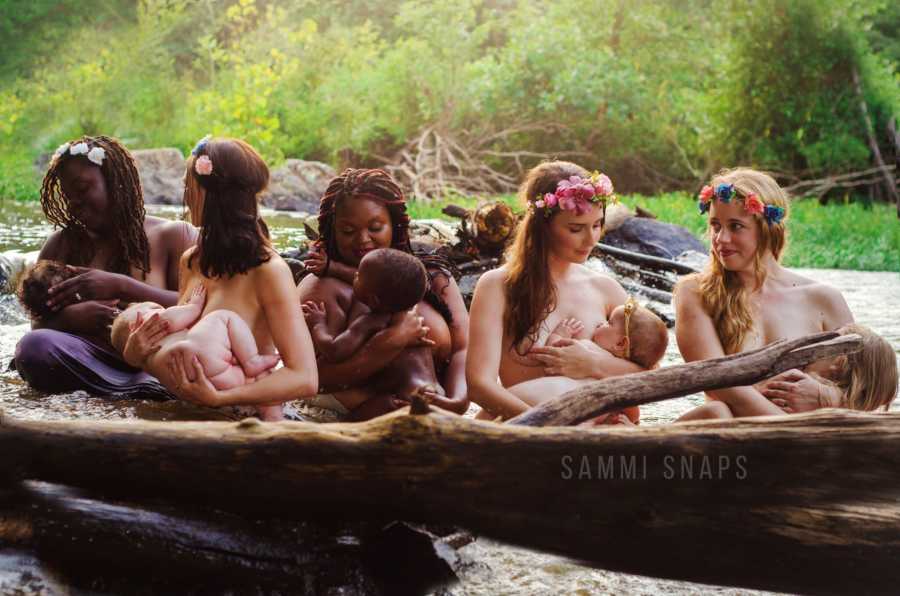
x=492, y=281
x=273, y=269
x=172, y=234
x=604, y=285
x=686, y=295
x=54, y=247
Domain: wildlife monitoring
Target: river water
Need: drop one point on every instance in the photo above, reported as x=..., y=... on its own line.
x=873, y=297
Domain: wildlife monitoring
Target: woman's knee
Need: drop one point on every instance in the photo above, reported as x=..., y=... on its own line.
x=35, y=349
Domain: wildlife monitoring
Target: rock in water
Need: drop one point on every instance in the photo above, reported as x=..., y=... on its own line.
x=653, y=237
x=162, y=175
x=298, y=185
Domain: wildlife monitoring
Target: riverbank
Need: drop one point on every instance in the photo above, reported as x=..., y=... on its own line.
x=833, y=236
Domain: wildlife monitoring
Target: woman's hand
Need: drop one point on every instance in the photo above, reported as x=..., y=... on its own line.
x=197, y=390
x=571, y=358
x=87, y=284
x=796, y=391
x=143, y=341
x=90, y=318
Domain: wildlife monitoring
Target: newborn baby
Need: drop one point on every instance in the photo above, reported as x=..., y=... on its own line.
x=221, y=340
x=632, y=332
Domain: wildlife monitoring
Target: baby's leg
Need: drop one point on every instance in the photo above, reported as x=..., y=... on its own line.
x=243, y=345
x=271, y=413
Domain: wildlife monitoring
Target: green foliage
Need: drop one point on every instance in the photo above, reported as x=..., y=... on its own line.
x=657, y=93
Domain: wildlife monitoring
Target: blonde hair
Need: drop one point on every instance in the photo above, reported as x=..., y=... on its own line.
x=869, y=377
x=530, y=293
x=723, y=296
x=654, y=338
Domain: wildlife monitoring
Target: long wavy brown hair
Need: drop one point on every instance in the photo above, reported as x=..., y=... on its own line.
x=233, y=237
x=126, y=208
x=377, y=185
x=530, y=293
x=724, y=297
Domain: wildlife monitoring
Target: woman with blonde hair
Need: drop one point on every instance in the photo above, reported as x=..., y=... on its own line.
x=745, y=298
x=543, y=283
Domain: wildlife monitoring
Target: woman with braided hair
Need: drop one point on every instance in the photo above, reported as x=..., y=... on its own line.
x=363, y=210
x=92, y=193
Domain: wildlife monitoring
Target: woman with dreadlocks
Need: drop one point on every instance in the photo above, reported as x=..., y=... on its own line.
x=117, y=254
x=363, y=210
x=241, y=272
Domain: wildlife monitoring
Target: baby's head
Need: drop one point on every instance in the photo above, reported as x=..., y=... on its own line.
x=124, y=324
x=34, y=285
x=390, y=280
x=634, y=333
x=869, y=377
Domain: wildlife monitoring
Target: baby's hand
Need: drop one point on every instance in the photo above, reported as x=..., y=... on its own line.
x=314, y=312
x=568, y=328
x=316, y=263
x=198, y=296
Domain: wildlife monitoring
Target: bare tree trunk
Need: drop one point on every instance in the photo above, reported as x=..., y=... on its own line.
x=807, y=503
x=890, y=185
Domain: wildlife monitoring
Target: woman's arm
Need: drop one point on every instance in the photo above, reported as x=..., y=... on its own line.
x=697, y=340
x=298, y=378
x=581, y=360
x=485, y=348
x=454, y=381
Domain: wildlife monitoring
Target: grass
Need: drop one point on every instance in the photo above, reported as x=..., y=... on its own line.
x=834, y=236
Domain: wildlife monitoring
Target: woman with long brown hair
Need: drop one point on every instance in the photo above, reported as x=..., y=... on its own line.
x=241, y=272
x=543, y=283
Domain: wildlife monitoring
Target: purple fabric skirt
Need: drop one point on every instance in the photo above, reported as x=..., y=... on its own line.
x=57, y=362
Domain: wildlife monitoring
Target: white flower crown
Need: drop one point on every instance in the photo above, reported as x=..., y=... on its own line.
x=95, y=155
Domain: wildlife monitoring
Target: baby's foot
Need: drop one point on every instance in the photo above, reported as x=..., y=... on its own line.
x=260, y=364
x=568, y=328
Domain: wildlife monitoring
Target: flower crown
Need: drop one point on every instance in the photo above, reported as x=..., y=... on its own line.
x=576, y=193
x=203, y=164
x=752, y=203
x=94, y=154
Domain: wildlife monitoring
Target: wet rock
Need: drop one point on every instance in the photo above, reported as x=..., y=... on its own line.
x=162, y=175
x=298, y=185
x=652, y=237
x=694, y=258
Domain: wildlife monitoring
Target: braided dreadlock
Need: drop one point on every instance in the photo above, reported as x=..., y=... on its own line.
x=126, y=209
x=377, y=185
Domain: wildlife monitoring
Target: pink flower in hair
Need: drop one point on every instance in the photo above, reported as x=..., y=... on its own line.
x=550, y=200
x=752, y=204
x=203, y=166
x=603, y=185
x=539, y=204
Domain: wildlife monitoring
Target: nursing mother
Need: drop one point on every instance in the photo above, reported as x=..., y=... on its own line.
x=745, y=298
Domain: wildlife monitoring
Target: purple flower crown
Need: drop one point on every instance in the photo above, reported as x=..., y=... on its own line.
x=752, y=203
x=577, y=194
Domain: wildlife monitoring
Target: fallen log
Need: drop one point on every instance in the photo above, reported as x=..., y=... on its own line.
x=746, y=368
x=807, y=503
x=650, y=262
x=96, y=543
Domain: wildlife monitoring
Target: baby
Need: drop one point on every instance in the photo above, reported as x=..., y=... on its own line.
x=387, y=282
x=632, y=332
x=221, y=340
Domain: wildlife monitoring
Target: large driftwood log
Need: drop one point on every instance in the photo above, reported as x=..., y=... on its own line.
x=674, y=381
x=96, y=543
x=807, y=503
